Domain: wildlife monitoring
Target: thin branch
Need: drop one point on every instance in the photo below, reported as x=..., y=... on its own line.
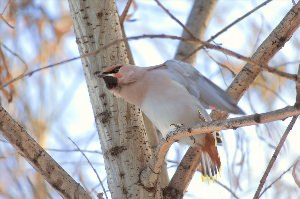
x=274, y=157
x=294, y=173
x=16, y=55
x=6, y=5
x=281, y=73
x=28, y=74
x=227, y=188
x=176, y=163
x=222, y=185
x=298, y=87
x=149, y=36
x=239, y=19
x=271, y=90
x=271, y=45
x=280, y=144
x=55, y=175
x=286, y=63
x=5, y=21
x=207, y=127
x=4, y=141
x=125, y=11
x=221, y=64
x=175, y=19
x=229, y=26
x=278, y=178
x=98, y=177
x=73, y=150
x=197, y=21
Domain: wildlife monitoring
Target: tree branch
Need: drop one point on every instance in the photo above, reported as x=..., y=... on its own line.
x=120, y=126
x=95, y=171
x=55, y=175
x=272, y=44
x=228, y=189
x=207, y=127
x=190, y=34
x=280, y=144
x=196, y=23
x=274, y=157
x=278, y=178
x=125, y=11
x=227, y=27
x=226, y=51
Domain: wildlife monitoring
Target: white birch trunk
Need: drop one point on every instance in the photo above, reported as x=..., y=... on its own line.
x=120, y=125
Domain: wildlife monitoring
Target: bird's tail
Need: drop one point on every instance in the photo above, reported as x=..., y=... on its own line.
x=219, y=139
x=210, y=160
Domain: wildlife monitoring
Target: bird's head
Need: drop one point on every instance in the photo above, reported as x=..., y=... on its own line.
x=111, y=75
x=117, y=75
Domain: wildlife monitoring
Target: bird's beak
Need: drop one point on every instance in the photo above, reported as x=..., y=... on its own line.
x=101, y=75
x=104, y=74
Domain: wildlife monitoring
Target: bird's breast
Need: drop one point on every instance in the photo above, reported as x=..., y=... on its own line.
x=170, y=104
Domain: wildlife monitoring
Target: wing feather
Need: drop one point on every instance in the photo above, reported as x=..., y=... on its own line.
x=208, y=93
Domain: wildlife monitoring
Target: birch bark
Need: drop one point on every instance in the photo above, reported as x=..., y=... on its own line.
x=120, y=125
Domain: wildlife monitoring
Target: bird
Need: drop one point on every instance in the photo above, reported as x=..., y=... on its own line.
x=173, y=93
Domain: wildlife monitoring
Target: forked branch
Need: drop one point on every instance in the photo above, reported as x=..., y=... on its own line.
x=149, y=176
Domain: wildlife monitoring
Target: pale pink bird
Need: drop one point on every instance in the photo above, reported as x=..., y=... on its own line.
x=173, y=93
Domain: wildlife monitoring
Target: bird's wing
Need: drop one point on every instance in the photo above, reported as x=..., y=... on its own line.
x=199, y=86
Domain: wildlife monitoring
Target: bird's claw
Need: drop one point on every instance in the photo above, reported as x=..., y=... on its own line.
x=173, y=127
x=177, y=126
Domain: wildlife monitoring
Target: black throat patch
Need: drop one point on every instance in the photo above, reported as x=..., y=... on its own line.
x=110, y=82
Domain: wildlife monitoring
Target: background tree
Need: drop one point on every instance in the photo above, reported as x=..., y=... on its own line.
x=53, y=106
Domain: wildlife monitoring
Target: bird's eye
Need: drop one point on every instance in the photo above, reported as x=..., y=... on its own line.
x=116, y=70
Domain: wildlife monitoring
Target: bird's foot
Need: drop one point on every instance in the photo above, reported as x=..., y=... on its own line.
x=177, y=126
x=173, y=128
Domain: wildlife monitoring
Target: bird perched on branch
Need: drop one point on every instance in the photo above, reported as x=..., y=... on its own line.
x=173, y=93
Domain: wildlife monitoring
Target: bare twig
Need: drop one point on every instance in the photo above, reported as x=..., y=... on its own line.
x=274, y=157
x=58, y=178
x=286, y=63
x=73, y=150
x=278, y=178
x=28, y=74
x=149, y=36
x=239, y=19
x=16, y=55
x=227, y=188
x=98, y=177
x=175, y=19
x=221, y=64
x=125, y=11
x=280, y=144
x=222, y=185
x=281, y=73
x=197, y=21
x=6, y=5
x=229, y=26
x=295, y=174
x=272, y=91
x=5, y=21
x=206, y=127
x=298, y=86
x=272, y=44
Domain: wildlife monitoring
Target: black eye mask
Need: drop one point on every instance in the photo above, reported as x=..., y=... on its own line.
x=116, y=70
x=110, y=82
